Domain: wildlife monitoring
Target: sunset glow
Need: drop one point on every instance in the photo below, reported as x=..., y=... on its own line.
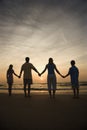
x=43, y=29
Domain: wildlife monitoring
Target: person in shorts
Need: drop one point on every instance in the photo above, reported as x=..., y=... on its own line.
x=74, y=75
x=27, y=75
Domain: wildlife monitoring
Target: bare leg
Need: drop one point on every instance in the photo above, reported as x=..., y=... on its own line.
x=25, y=90
x=74, y=92
x=53, y=93
x=10, y=89
x=29, y=90
x=50, y=93
x=77, y=92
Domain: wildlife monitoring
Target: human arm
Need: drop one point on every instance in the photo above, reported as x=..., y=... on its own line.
x=58, y=72
x=15, y=74
x=43, y=70
x=36, y=70
x=67, y=74
x=21, y=72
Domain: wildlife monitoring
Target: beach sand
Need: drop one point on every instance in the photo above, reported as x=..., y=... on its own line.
x=40, y=112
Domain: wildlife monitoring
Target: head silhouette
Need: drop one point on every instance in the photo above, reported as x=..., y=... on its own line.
x=72, y=62
x=10, y=66
x=27, y=59
x=50, y=60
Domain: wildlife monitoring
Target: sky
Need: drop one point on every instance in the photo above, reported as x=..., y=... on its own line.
x=41, y=29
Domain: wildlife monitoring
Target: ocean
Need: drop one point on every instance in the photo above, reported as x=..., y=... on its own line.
x=42, y=87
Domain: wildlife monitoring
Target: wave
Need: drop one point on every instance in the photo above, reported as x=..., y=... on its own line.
x=43, y=86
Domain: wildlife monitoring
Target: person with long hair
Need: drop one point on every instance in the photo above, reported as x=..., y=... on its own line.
x=51, y=77
x=9, y=75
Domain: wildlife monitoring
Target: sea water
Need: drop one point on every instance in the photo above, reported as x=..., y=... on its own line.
x=42, y=87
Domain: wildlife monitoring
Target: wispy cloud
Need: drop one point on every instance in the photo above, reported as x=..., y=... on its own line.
x=43, y=28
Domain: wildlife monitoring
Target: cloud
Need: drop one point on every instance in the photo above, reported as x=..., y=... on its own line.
x=51, y=26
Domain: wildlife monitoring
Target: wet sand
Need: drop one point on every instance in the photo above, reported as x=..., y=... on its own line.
x=40, y=112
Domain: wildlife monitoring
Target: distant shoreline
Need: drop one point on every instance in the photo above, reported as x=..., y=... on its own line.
x=59, y=91
x=82, y=83
x=62, y=88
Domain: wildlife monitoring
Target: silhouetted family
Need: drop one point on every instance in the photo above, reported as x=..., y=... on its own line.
x=27, y=67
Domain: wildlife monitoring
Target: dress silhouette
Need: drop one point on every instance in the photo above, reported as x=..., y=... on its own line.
x=10, y=73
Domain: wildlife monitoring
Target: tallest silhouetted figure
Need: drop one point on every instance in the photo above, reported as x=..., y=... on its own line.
x=27, y=76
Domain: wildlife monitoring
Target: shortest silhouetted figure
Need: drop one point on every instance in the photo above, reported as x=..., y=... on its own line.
x=74, y=75
x=9, y=75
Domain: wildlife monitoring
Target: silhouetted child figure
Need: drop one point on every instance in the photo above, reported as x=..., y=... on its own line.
x=74, y=75
x=51, y=78
x=10, y=73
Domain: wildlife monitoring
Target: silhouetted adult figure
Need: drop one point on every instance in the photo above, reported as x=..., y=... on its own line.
x=9, y=76
x=74, y=75
x=27, y=76
x=51, y=77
